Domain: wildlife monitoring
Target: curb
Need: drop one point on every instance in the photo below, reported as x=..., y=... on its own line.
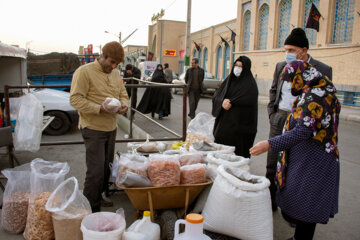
x=350, y=117
x=124, y=124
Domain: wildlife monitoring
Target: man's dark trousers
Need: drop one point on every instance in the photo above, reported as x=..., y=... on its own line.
x=277, y=121
x=133, y=98
x=100, y=147
x=194, y=97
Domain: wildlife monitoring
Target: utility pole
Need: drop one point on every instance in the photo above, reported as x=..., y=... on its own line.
x=187, y=37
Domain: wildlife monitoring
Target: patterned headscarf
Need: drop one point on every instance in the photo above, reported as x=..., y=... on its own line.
x=316, y=106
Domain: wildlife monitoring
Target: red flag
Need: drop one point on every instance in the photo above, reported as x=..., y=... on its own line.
x=313, y=19
x=150, y=56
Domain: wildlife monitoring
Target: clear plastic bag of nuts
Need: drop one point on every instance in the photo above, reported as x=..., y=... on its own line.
x=45, y=177
x=16, y=198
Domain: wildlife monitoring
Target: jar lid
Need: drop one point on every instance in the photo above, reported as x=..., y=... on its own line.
x=146, y=214
x=194, y=218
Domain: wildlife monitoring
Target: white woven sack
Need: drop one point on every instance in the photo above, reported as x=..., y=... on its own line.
x=239, y=205
x=216, y=159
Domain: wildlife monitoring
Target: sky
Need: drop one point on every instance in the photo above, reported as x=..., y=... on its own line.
x=46, y=26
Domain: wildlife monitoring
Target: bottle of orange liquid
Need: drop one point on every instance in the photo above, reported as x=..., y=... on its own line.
x=193, y=228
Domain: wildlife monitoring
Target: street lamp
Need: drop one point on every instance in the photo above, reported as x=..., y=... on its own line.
x=118, y=36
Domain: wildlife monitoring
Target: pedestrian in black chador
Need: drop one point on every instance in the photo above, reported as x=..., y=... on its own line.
x=156, y=100
x=235, y=106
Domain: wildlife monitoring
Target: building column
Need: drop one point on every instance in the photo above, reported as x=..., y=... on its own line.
x=239, y=26
x=210, y=65
x=356, y=26
x=273, y=25
x=296, y=15
x=326, y=22
x=253, y=18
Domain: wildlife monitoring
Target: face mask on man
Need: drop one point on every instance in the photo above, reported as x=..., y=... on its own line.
x=237, y=71
x=290, y=57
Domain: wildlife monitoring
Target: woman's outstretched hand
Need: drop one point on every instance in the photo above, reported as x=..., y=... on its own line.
x=260, y=148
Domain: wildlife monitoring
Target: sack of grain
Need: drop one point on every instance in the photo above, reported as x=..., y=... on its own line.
x=193, y=174
x=245, y=209
x=128, y=162
x=216, y=159
x=164, y=170
x=45, y=177
x=68, y=207
x=16, y=198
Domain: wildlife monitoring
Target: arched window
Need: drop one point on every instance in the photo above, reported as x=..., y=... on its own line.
x=247, y=21
x=205, y=59
x=263, y=26
x=199, y=57
x=344, y=21
x=233, y=55
x=218, y=56
x=194, y=53
x=226, y=65
x=284, y=24
x=311, y=34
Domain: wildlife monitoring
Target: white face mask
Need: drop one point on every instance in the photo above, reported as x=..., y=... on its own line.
x=237, y=70
x=290, y=57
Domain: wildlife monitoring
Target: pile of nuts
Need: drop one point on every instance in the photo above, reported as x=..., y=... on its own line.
x=14, y=211
x=39, y=223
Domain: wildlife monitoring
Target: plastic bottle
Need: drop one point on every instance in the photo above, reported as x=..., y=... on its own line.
x=143, y=229
x=193, y=228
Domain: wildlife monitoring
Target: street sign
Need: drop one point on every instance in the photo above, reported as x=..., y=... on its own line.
x=170, y=53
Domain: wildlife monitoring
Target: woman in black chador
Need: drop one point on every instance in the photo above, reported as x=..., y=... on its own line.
x=235, y=106
x=156, y=100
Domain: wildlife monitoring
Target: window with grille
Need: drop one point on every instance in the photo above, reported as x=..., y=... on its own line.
x=284, y=24
x=311, y=34
x=247, y=21
x=199, y=57
x=233, y=56
x=218, y=56
x=226, y=65
x=263, y=26
x=194, y=53
x=344, y=20
x=205, y=58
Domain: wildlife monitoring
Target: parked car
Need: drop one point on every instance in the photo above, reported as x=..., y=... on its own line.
x=57, y=103
x=210, y=83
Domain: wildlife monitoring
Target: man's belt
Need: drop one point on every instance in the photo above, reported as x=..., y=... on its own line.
x=283, y=112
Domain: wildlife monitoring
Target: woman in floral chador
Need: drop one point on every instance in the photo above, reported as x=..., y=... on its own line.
x=308, y=171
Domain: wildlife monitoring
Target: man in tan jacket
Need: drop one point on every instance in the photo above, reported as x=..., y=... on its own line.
x=91, y=85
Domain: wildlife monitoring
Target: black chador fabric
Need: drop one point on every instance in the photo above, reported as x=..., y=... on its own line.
x=238, y=125
x=156, y=99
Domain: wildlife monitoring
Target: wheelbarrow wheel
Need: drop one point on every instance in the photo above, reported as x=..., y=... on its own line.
x=167, y=222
